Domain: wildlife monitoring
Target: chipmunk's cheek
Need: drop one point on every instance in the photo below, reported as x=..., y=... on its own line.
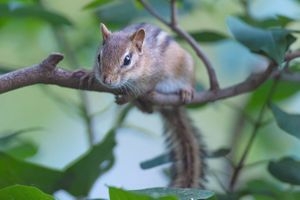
x=122, y=81
x=98, y=75
x=129, y=77
x=118, y=82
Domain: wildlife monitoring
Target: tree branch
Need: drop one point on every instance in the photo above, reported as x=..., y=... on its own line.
x=250, y=84
x=291, y=77
x=47, y=73
x=213, y=81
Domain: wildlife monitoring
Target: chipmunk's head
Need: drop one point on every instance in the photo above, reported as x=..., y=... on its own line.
x=119, y=56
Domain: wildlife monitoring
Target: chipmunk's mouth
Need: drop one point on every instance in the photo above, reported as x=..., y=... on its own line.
x=112, y=85
x=118, y=84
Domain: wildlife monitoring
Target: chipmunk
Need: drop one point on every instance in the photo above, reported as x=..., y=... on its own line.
x=141, y=59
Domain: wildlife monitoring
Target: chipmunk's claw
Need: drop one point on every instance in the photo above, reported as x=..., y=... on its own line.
x=122, y=99
x=86, y=77
x=186, y=95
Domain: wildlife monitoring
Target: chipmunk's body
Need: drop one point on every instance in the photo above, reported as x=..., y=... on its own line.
x=141, y=59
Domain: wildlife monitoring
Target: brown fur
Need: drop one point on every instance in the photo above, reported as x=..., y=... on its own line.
x=157, y=63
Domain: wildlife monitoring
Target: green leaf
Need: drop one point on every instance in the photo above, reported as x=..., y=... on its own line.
x=261, y=187
x=274, y=21
x=96, y=4
x=219, y=153
x=286, y=195
x=186, y=6
x=15, y=171
x=165, y=158
x=119, y=194
x=292, y=195
x=125, y=8
x=229, y=196
x=286, y=170
x=4, y=70
x=181, y=193
x=272, y=42
x=154, y=162
x=23, y=149
x=32, y=11
x=290, y=123
x=129, y=11
x=14, y=146
x=261, y=190
x=11, y=135
x=21, y=192
x=285, y=89
x=206, y=36
x=79, y=177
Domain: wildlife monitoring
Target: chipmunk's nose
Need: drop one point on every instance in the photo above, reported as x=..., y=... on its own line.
x=107, y=80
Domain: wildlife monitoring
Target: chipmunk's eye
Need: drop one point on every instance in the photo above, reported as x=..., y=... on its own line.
x=127, y=60
x=99, y=58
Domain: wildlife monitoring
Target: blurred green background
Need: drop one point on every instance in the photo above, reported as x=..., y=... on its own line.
x=61, y=134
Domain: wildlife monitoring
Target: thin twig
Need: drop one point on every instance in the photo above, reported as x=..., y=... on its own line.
x=213, y=81
x=88, y=119
x=83, y=96
x=254, y=133
x=153, y=12
x=291, y=77
x=173, y=13
x=292, y=55
x=221, y=184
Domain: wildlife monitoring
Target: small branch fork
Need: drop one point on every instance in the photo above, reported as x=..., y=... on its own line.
x=47, y=72
x=173, y=25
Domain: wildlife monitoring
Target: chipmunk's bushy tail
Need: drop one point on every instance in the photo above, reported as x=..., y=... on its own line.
x=186, y=149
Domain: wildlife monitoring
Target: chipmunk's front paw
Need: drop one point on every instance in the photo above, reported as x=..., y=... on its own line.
x=122, y=99
x=186, y=95
x=86, y=77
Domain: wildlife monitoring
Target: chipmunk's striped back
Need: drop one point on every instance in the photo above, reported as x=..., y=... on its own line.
x=155, y=39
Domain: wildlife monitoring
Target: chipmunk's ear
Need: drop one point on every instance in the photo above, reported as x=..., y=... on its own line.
x=138, y=38
x=105, y=32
